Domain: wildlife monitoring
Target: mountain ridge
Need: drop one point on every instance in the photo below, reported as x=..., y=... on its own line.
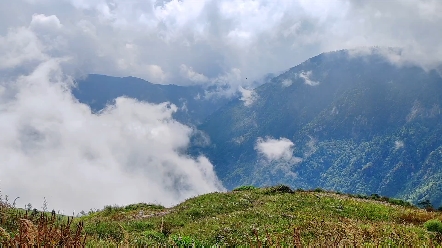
x=98, y=91
x=338, y=103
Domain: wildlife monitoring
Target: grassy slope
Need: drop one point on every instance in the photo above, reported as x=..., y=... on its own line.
x=263, y=216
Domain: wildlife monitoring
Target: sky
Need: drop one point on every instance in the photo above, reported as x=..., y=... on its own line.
x=53, y=147
x=208, y=41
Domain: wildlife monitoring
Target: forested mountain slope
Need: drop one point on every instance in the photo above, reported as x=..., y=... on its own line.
x=358, y=124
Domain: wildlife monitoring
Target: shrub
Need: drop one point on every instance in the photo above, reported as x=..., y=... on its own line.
x=279, y=189
x=184, y=241
x=433, y=225
x=361, y=196
x=399, y=202
x=426, y=204
x=105, y=231
x=139, y=226
x=375, y=196
x=4, y=236
x=149, y=238
x=415, y=217
x=318, y=190
x=245, y=188
x=110, y=210
x=154, y=235
x=138, y=206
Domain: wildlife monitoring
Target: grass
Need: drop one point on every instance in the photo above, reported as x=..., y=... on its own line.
x=275, y=216
x=23, y=228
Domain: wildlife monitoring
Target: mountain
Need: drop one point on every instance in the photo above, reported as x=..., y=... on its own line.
x=98, y=90
x=358, y=122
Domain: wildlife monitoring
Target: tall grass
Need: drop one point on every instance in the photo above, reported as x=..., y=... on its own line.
x=25, y=228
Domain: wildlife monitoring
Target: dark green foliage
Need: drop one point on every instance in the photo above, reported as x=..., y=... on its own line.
x=105, y=230
x=149, y=238
x=154, y=235
x=433, y=226
x=184, y=241
x=109, y=210
x=399, y=202
x=361, y=196
x=245, y=188
x=375, y=197
x=426, y=204
x=141, y=206
x=138, y=226
x=279, y=189
x=318, y=190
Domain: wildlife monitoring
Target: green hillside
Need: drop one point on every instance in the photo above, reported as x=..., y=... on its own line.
x=265, y=216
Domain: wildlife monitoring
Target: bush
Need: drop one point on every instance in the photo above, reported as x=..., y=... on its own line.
x=138, y=206
x=279, y=189
x=399, y=202
x=433, y=225
x=184, y=241
x=426, y=204
x=110, y=210
x=318, y=190
x=139, y=226
x=375, y=197
x=105, y=231
x=154, y=235
x=415, y=217
x=245, y=188
x=361, y=196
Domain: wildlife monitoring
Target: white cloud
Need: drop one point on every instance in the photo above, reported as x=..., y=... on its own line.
x=398, y=144
x=287, y=83
x=189, y=73
x=43, y=23
x=275, y=149
x=277, y=156
x=306, y=75
x=18, y=47
x=155, y=73
x=248, y=96
x=213, y=38
x=54, y=147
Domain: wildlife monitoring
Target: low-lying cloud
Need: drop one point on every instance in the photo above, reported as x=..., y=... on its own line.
x=277, y=155
x=248, y=96
x=306, y=76
x=287, y=83
x=53, y=147
x=275, y=149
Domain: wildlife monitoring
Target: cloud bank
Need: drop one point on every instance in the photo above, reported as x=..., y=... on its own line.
x=188, y=42
x=54, y=147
